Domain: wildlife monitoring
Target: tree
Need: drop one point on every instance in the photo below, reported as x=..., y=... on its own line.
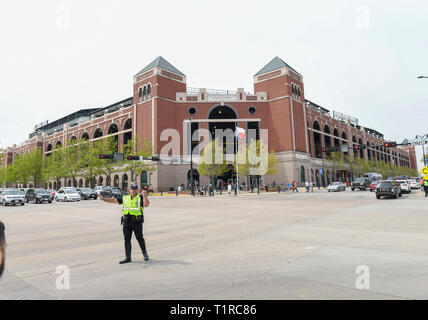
x=54, y=167
x=91, y=163
x=34, y=164
x=108, y=166
x=246, y=160
x=72, y=159
x=334, y=159
x=208, y=166
x=137, y=148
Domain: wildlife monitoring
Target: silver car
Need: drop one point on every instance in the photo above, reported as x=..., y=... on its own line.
x=13, y=197
x=336, y=186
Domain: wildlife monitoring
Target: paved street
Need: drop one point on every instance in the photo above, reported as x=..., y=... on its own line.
x=271, y=246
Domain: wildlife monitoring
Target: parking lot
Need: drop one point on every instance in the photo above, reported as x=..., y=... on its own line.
x=268, y=246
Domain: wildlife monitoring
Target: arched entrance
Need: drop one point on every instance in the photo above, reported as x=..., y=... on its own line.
x=100, y=181
x=223, y=112
x=317, y=140
x=125, y=182
x=116, y=181
x=195, y=177
x=112, y=130
x=127, y=135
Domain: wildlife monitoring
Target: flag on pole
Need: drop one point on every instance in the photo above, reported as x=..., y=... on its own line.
x=240, y=133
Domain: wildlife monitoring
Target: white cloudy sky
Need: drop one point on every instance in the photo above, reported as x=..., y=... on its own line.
x=360, y=58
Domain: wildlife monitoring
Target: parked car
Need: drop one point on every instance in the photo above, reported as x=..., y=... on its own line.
x=13, y=197
x=373, y=186
x=147, y=187
x=405, y=186
x=360, y=183
x=67, y=195
x=388, y=188
x=106, y=192
x=117, y=192
x=336, y=186
x=38, y=196
x=52, y=192
x=87, y=193
x=414, y=184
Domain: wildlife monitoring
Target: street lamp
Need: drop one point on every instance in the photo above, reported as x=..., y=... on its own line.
x=191, y=160
x=423, y=145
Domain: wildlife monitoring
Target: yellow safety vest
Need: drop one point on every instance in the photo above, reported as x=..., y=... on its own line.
x=132, y=206
x=426, y=183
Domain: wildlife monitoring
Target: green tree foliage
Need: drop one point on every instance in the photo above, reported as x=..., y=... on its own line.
x=136, y=147
x=212, y=164
x=54, y=167
x=91, y=164
x=245, y=159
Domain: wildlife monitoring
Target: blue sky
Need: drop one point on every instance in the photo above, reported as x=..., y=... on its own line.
x=360, y=58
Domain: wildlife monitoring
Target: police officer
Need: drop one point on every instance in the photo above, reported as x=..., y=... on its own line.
x=426, y=187
x=2, y=248
x=132, y=219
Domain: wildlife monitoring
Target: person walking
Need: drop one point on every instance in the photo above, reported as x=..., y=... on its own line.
x=312, y=186
x=283, y=187
x=307, y=185
x=288, y=186
x=229, y=188
x=132, y=220
x=426, y=187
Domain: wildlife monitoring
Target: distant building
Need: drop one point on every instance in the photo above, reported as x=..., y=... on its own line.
x=298, y=128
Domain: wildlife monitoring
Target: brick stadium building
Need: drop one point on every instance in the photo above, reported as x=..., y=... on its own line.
x=298, y=128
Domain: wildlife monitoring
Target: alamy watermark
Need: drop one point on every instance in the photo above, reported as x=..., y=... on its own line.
x=363, y=280
x=63, y=280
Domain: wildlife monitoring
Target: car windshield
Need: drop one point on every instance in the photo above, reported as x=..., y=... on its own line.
x=401, y=181
x=385, y=184
x=70, y=191
x=87, y=189
x=13, y=193
x=40, y=191
x=359, y=180
x=335, y=183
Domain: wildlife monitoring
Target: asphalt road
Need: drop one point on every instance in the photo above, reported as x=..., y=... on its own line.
x=271, y=246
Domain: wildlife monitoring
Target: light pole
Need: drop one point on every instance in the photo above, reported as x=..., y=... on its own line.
x=423, y=145
x=191, y=160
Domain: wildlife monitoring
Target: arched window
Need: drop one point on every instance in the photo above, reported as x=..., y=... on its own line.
x=302, y=174
x=292, y=88
x=149, y=91
x=140, y=93
x=144, y=93
x=298, y=91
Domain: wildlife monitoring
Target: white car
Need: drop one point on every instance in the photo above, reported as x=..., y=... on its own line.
x=67, y=195
x=405, y=186
x=414, y=184
x=336, y=186
x=12, y=197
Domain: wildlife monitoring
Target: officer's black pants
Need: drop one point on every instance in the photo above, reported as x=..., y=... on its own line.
x=137, y=227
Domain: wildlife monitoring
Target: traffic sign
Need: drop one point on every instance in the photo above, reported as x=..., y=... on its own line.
x=419, y=141
x=425, y=170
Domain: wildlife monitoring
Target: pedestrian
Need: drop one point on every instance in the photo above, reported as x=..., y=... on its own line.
x=426, y=187
x=2, y=248
x=211, y=190
x=312, y=186
x=288, y=185
x=295, y=186
x=283, y=187
x=229, y=188
x=307, y=185
x=132, y=220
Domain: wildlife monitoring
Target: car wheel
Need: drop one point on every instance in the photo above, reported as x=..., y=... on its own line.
x=395, y=196
x=22, y=204
x=4, y=203
x=65, y=199
x=377, y=197
x=50, y=201
x=26, y=200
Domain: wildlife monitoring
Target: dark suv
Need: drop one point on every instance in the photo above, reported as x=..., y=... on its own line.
x=388, y=189
x=38, y=196
x=87, y=193
x=360, y=183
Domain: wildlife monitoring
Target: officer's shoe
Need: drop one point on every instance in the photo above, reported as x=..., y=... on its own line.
x=146, y=256
x=125, y=261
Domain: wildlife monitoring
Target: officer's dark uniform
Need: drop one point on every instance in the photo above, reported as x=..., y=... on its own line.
x=132, y=220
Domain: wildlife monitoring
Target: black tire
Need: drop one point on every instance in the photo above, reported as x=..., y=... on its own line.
x=400, y=194
x=22, y=204
x=395, y=196
x=377, y=197
x=50, y=201
x=352, y=189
